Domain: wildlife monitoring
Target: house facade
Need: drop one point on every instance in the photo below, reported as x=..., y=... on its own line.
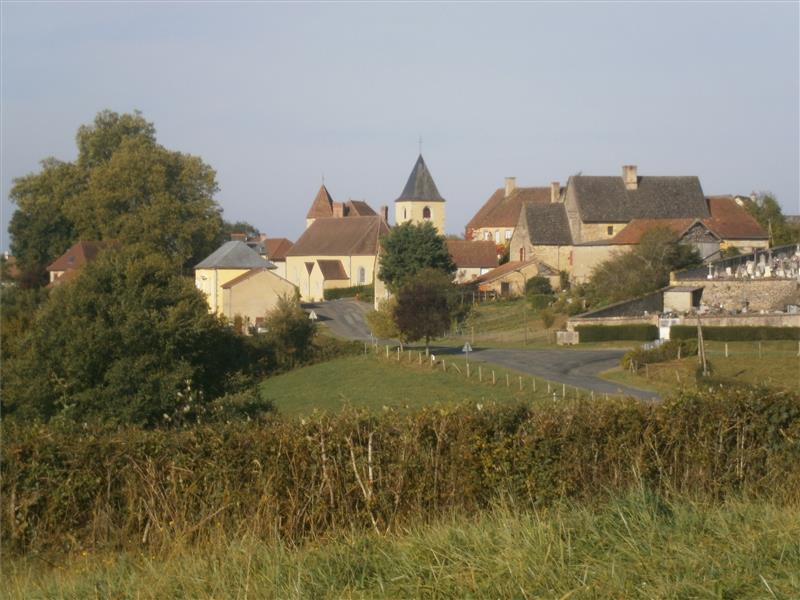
x=472, y=259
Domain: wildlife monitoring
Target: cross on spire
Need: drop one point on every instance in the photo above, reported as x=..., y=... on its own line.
x=420, y=144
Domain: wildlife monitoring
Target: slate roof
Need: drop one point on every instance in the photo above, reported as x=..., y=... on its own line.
x=322, y=206
x=354, y=236
x=234, y=255
x=332, y=270
x=502, y=211
x=547, y=224
x=466, y=254
x=606, y=200
x=79, y=254
x=420, y=185
x=277, y=248
x=731, y=221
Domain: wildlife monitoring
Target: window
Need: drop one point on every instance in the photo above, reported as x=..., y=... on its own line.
x=522, y=255
x=508, y=234
x=405, y=216
x=610, y=230
x=487, y=235
x=362, y=275
x=426, y=213
x=496, y=237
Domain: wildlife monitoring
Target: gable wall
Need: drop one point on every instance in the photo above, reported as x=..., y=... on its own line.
x=312, y=288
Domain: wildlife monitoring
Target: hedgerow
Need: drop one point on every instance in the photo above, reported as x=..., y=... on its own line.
x=607, y=333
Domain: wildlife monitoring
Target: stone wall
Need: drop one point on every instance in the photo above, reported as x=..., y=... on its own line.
x=758, y=294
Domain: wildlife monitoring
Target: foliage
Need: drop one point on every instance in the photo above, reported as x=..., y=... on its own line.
x=425, y=305
x=607, y=333
x=742, y=333
x=670, y=350
x=547, y=317
x=365, y=293
x=540, y=301
x=644, y=268
x=88, y=488
x=538, y=284
x=17, y=310
x=408, y=249
x=122, y=186
x=767, y=211
x=731, y=251
x=503, y=253
x=382, y=322
x=120, y=342
x=290, y=333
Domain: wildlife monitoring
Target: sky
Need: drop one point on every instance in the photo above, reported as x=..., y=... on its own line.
x=277, y=96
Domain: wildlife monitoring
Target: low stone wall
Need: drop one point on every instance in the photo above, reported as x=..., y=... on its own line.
x=759, y=294
x=573, y=323
x=742, y=320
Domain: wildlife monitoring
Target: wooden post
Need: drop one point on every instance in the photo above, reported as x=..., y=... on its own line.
x=420, y=357
x=480, y=374
x=387, y=351
x=398, y=354
x=494, y=381
x=520, y=383
x=365, y=347
x=548, y=387
x=534, y=384
x=726, y=349
x=592, y=395
x=759, y=349
x=467, y=370
x=508, y=383
x=563, y=390
x=444, y=367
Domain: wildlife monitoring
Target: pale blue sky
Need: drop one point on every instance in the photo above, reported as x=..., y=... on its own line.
x=273, y=95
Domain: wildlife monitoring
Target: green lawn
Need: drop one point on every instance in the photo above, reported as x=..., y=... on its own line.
x=776, y=364
x=372, y=382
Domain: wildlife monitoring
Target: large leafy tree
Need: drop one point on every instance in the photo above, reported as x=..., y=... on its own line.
x=643, y=269
x=410, y=248
x=121, y=342
x=425, y=305
x=767, y=211
x=124, y=186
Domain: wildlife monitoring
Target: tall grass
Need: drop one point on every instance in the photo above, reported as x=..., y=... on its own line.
x=90, y=489
x=634, y=546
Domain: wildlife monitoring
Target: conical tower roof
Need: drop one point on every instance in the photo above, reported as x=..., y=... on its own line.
x=420, y=185
x=322, y=205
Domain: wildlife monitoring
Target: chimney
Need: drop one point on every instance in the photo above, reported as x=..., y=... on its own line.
x=629, y=177
x=555, y=191
x=511, y=185
x=238, y=237
x=384, y=213
x=338, y=210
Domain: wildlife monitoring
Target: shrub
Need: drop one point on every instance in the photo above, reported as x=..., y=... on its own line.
x=363, y=292
x=644, y=332
x=540, y=301
x=671, y=350
x=739, y=333
x=538, y=285
x=547, y=317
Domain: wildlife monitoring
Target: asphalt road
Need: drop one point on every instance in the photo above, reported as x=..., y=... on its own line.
x=579, y=368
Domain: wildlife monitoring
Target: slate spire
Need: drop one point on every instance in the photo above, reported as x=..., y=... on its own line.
x=420, y=185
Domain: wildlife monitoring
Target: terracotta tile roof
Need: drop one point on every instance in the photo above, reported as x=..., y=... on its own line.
x=332, y=270
x=510, y=267
x=465, y=254
x=79, y=254
x=606, y=200
x=633, y=231
x=277, y=248
x=358, y=208
x=322, y=206
x=353, y=236
x=502, y=211
x=420, y=185
x=731, y=221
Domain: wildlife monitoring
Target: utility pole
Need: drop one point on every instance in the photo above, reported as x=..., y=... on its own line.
x=701, y=348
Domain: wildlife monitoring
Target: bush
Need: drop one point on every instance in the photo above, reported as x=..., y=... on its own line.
x=606, y=333
x=73, y=487
x=739, y=333
x=538, y=285
x=540, y=301
x=363, y=292
x=548, y=318
x=671, y=350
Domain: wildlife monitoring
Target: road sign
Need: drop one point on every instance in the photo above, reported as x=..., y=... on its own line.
x=467, y=348
x=313, y=316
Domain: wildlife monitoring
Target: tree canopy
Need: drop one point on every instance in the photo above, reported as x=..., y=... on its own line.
x=408, y=249
x=425, y=306
x=767, y=211
x=120, y=341
x=123, y=186
x=643, y=269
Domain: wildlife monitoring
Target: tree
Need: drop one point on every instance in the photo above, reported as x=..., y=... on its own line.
x=290, y=333
x=643, y=269
x=121, y=342
x=410, y=248
x=767, y=211
x=382, y=323
x=539, y=292
x=425, y=305
x=122, y=186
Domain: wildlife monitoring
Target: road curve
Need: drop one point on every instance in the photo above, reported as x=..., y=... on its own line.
x=346, y=318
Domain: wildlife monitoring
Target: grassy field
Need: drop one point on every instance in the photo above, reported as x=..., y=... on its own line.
x=373, y=383
x=638, y=546
x=776, y=364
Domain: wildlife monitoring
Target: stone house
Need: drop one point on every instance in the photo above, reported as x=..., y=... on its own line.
x=472, y=259
x=81, y=253
x=324, y=207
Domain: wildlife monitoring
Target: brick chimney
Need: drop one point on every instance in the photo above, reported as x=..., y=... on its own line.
x=338, y=210
x=629, y=177
x=555, y=191
x=384, y=213
x=511, y=185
